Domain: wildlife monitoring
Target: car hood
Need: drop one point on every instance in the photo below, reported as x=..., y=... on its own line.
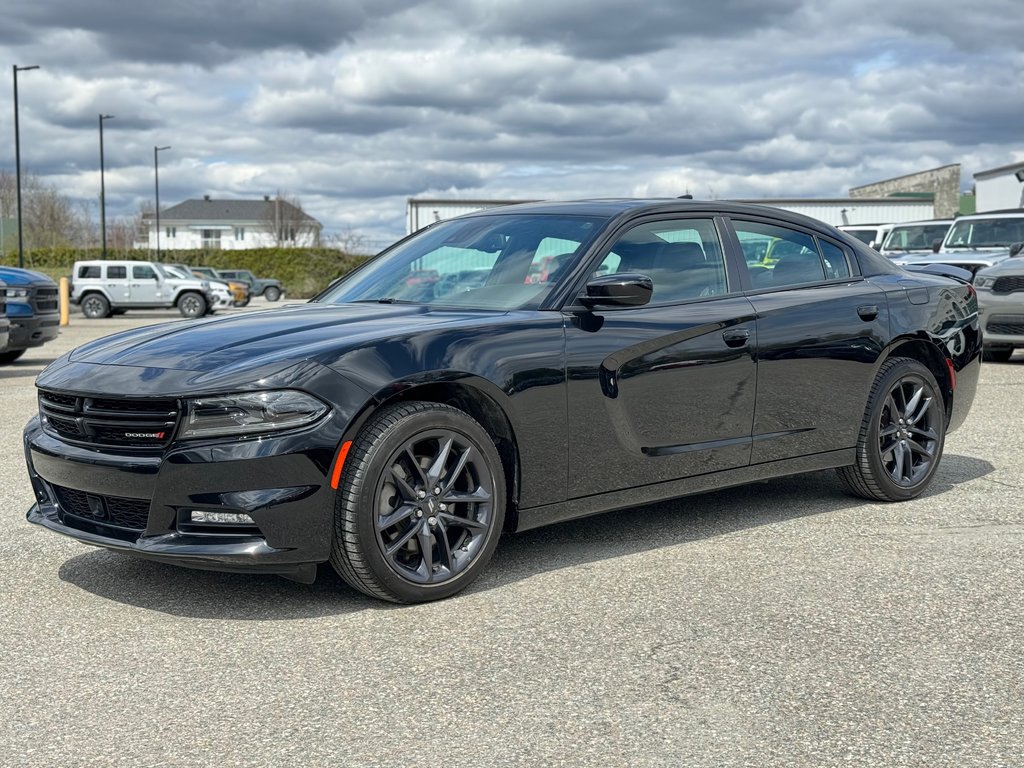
x=1012, y=266
x=260, y=339
x=961, y=256
x=13, y=276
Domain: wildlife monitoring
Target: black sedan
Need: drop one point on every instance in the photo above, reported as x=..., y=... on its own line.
x=502, y=371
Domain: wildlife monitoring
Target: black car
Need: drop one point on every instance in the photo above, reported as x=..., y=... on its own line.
x=403, y=419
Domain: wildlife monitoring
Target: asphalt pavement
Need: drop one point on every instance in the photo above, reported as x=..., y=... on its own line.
x=780, y=624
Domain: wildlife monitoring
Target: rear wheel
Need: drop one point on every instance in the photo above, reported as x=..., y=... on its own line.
x=192, y=304
x=272, y=293
x=95, y=306
x=998, y=355
x=420, y=506
x=11, y=356
x=901, y=436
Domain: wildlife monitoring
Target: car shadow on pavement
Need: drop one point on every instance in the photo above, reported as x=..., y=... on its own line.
x=211, y=595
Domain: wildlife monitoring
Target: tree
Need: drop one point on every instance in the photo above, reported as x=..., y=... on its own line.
x=289, y=223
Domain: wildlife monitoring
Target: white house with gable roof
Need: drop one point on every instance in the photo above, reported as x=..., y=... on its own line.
x=233, y=224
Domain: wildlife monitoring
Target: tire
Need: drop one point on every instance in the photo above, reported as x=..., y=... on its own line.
x=998, y=355
x=905, y=421
x=272, y=293
x=192, y=304
x=116, y=312
x=10, y=356
x=449, y=503
x=95, y=306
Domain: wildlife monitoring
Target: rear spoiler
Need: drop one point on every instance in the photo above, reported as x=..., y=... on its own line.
x=946, y=270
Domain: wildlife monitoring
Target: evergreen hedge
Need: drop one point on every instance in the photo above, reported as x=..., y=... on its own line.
x=304, y=272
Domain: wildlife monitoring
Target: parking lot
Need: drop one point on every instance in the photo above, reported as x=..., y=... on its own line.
x=783, y=623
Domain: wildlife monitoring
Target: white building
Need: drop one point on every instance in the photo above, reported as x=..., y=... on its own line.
x=1000, y=188
x=232, y=224
x=844, y=210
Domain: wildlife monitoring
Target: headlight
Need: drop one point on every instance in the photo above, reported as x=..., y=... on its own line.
x=17, y=294
x=984, y=282
x=250, y=412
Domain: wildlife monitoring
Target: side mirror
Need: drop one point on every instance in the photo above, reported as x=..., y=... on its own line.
x=622, y=290
x=874, y=244
x=1016, y=248
x=936, y=245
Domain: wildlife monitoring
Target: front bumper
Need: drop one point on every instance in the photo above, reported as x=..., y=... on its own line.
x=32, y=331
x=140, y=504
x=1002, y=318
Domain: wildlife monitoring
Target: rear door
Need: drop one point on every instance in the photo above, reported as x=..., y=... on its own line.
x=821, y=328
x=145, y=285
x=666, y=390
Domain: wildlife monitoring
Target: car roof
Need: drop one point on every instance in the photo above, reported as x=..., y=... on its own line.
x=1005, y=213
x=611, y=207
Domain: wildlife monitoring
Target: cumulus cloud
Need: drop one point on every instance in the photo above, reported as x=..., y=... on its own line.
x=356, y=105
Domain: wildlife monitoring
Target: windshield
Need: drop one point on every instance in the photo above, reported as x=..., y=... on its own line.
x=866, y=236
x=915, y=237
x=175, y=272
x=492, y=261
x=986, y=233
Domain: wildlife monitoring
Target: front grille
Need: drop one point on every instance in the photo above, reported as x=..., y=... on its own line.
x=1008, y=284
x=132, y=514
x=44, y=300
x=121, y=423
x=1009, y=325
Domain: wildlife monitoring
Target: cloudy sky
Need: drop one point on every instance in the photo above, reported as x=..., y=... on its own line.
x=355, y=105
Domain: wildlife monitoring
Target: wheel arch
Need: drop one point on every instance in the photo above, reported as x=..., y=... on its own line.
x=468, y=394
x=925, y=351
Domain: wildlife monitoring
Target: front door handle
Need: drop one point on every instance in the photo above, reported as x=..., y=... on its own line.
x=868, y=312
x=736, y=337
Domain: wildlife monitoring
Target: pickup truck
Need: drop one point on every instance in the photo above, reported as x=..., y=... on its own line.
x=33, y=311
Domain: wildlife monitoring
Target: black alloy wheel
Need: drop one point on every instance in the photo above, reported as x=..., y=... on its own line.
x=192, y=305
x=902, y=435
x=95, y=306
x=272, y=293
x=421, y=504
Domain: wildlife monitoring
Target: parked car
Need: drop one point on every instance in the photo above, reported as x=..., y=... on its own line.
x=103, y=288
x=267, y=287
x=5, y=325
x=398, y=439
x=221, y=296
x=914, y=237
x=33, y=311
x=872, y=235
x=976, y=241
x=239, y=288
x=1001, y=304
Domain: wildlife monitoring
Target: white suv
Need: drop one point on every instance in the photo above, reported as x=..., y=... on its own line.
x=103, y=288
x=976, y=241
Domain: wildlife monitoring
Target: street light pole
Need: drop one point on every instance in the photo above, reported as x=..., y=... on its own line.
x=17, y=159
x=156, y=178
x=103, y=190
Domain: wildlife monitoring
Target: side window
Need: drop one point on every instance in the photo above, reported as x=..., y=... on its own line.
x=683, y=258
x=89, y=272
x=834, y=258
x=791, y=257
x=143, y=272
x=117, y=273
x=552, y=257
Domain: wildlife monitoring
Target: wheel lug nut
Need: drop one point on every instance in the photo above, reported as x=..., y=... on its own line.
x=419, y=513
x=437, y=490
x=432, y=521
x=443, y=507
x=421, y=494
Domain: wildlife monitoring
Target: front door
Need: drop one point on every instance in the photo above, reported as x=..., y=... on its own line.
x=667, y=390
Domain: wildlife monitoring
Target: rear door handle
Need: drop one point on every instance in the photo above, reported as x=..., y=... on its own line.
x=868, y=312
x=736, y=337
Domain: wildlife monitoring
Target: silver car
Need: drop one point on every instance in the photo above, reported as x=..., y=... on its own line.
x=1001, y=303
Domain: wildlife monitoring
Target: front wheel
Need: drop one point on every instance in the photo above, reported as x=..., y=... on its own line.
x=192, y=305
x=420, y=506
x=272, y=293
x=901, y=436
x=11, y=356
